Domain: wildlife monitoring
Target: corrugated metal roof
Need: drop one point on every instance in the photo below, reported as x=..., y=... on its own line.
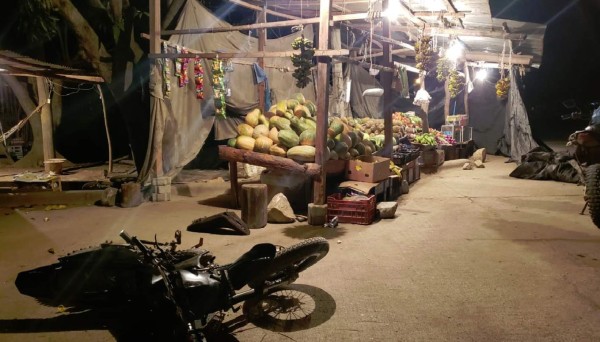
x=18, y=65
x=469, y=20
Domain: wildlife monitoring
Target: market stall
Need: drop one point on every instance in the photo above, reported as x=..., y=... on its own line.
x=298, y=133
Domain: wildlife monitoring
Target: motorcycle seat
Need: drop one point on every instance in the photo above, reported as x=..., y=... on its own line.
x=249, y=264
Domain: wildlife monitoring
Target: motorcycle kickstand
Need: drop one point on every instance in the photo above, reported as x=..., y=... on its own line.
x=584, y=207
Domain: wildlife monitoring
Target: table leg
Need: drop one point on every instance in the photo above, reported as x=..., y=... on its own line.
x=233, y=179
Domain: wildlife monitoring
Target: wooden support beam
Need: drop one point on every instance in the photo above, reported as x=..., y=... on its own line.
x=155, y=47
x=262, y=41
x=382, y=38
x=323, y=65
x=283, y=23
x=397, y=52
x=466, y=91
x=365, y=65
x=497, y=58
x=259, y=9
x=258, y=54
x=386, y=82
x=439, y=31
x=440, y=13
x=450, y=7
x=46, y=118
x=269, y=161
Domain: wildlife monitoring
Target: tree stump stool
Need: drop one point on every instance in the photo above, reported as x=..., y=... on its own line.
x=254, y=205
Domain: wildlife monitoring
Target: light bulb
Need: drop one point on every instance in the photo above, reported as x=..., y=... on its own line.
x=481, y=74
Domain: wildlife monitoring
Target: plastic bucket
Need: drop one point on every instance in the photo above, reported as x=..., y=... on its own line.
x=54, y=165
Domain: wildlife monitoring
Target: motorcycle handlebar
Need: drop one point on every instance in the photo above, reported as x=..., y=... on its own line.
x=134, y=241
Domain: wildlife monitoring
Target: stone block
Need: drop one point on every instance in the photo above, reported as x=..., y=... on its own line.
x=387, y=209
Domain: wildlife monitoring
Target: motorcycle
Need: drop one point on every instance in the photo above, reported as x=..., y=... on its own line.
x=587, y=154
x=183, y=291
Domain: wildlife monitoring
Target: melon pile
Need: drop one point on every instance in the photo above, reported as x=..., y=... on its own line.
x=288, y=129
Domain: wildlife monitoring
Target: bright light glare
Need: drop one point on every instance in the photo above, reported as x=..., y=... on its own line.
x=481, y=74
x=394, y=9
x=454, y=51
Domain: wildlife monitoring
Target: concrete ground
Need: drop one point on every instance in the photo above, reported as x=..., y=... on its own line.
x=471, y=256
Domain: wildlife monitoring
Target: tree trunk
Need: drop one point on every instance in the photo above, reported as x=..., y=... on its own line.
x=86, y=36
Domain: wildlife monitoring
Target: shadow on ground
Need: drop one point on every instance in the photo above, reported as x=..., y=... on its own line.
x=291, y=308
x=306, y=231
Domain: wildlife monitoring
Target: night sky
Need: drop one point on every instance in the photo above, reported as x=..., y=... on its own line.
x=571, y=61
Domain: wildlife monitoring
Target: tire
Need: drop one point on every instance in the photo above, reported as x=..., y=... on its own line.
x=592, y=192
x=290, y=261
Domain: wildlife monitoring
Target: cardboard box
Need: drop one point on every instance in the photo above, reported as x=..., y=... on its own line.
x=370, y=169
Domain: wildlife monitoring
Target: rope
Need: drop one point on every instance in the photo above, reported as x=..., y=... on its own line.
x=20, y=124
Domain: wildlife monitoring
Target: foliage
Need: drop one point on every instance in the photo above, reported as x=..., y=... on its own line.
x=302, y=61
x=41, y=24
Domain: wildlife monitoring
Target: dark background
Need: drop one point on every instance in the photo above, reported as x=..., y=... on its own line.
x=570, y=65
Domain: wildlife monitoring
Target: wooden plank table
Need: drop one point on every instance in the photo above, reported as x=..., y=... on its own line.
x=234, y=155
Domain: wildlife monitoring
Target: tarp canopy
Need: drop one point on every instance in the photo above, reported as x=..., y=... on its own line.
x=181, y=122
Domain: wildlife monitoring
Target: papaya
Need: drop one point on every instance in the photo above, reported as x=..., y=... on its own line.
x=336, y=127
x=312, y=108
x=245, y=129
x=292, y=103
x=299, y=97
x=308, y=137
x=340, y=148
x=281, y=123
x=262, y=144
x=288, y=138
x=245, y=143
x=278, y=150
x=333, y=155
x=252, y=117
x=274, y=135
x=302, y=153
x=281, y=108
x=263, y=120
x=260, y=130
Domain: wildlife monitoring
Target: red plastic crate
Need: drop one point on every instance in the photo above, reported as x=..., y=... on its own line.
x=356, y=212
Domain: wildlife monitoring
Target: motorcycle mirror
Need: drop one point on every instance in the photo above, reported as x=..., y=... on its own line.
x=178, y=237
x=199, y=244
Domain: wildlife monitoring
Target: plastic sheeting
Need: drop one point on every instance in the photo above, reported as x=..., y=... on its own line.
x=368, y=106
x=180, y=123
x=517, y=139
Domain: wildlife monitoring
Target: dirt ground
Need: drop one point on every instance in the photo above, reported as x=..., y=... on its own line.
x=470, y=256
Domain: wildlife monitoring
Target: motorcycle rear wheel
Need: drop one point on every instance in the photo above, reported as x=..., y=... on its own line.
x=290, y=261
x=592, y=192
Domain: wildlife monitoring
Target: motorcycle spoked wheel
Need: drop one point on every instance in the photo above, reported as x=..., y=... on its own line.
x=592, y=192
x=292, y=260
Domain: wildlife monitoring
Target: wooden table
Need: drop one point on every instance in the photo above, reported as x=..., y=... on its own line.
x=234, y=155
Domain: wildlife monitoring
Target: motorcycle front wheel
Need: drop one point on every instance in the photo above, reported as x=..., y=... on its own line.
x=592, y=192
x=290, y=261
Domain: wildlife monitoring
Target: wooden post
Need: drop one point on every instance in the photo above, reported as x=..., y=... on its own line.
x=386, y=82
x=323, y=64
x=254, y=205
x=466, y=91
x=262, y=41
x=46, y=118
x=446, y=99
x=155, y=49
x=233, y=180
